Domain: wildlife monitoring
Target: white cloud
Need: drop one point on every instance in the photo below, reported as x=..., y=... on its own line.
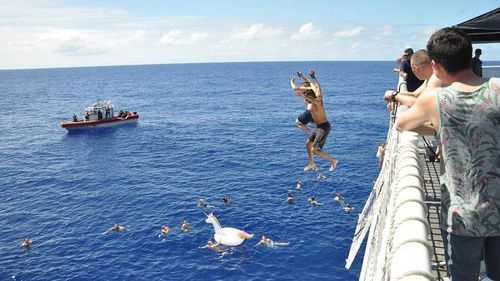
x=255, y=32
x=385, y=30
x=80, y=47
x=306, y=31
x=349, y=32
x=50, y=13
x=181, y=38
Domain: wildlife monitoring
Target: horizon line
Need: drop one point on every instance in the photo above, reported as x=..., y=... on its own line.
x=215, y=62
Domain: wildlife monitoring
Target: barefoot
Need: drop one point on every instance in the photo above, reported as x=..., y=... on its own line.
x=334, y=165
x=311, y=167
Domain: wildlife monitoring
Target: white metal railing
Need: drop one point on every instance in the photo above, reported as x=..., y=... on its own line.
x=395, y=215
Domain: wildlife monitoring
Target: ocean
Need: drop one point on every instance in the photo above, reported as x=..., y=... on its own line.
x=205, y=130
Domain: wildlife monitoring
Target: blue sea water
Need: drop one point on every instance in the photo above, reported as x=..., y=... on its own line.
x=206, y=130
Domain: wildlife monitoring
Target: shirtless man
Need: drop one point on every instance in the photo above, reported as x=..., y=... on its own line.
x=212, y=246
x=116, y=227
x=299, y=185
x=202, y=203
x=337, y=197
x=268, y=242
x=305, y=117
x=165, y=229
x=347, y=208
x=318, y=137
x=313, y=201
x=185, y=226
x=26, y=243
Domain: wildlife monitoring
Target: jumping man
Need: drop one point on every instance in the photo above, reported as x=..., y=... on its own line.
x=318, y=137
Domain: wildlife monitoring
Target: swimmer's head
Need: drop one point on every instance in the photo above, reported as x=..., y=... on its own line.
x=309, y=93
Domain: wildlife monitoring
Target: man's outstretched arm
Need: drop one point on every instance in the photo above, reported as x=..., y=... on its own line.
x=425, y=109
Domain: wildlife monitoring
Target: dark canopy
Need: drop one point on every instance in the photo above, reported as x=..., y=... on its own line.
x=484, y=28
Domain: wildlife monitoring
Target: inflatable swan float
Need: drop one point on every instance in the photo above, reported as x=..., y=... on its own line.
x=227, y=235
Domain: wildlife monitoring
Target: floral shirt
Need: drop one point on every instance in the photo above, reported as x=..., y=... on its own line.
x=469, y=133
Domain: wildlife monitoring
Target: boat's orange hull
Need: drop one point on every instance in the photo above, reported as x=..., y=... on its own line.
x=100, y=123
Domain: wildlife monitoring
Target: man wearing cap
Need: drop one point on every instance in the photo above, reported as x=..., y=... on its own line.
x=412, y=82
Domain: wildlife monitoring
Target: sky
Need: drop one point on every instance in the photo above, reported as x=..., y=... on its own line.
x=60, y=33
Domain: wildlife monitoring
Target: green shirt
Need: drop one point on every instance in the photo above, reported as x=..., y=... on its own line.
x=469, y=133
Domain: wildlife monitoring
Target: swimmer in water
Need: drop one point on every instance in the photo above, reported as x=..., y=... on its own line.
x=347, y=208
x=226, y=200
x=299, y=185
x=185, y=226
x=202, y=203
x=337, y=197
x=290, y=198
x=26, y=243
x=212, y=246
x=116, y=227
x=165, y=229
x=313, y=201
x=270, y=243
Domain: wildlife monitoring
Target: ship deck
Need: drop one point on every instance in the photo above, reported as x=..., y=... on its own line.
x=432, y=199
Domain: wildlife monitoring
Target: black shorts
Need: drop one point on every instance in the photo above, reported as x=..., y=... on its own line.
x=319, y=135
x=306, y=117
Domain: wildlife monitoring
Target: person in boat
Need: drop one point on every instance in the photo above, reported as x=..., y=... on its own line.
x=116, y=227
x=270, y=243
x=289, y=199
x=422, y=69
x=165, y=229
x=27, y=243
x=226, y=200
x=99, y=115
x=185, y=226
x=464, y=118
x=75, y=118
x=87, y=116
x=108, y=111
x=318, y=137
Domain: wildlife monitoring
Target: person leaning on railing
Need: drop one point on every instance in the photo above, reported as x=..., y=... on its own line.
x=422, y=68
x=412, y=81
x=465, y=117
